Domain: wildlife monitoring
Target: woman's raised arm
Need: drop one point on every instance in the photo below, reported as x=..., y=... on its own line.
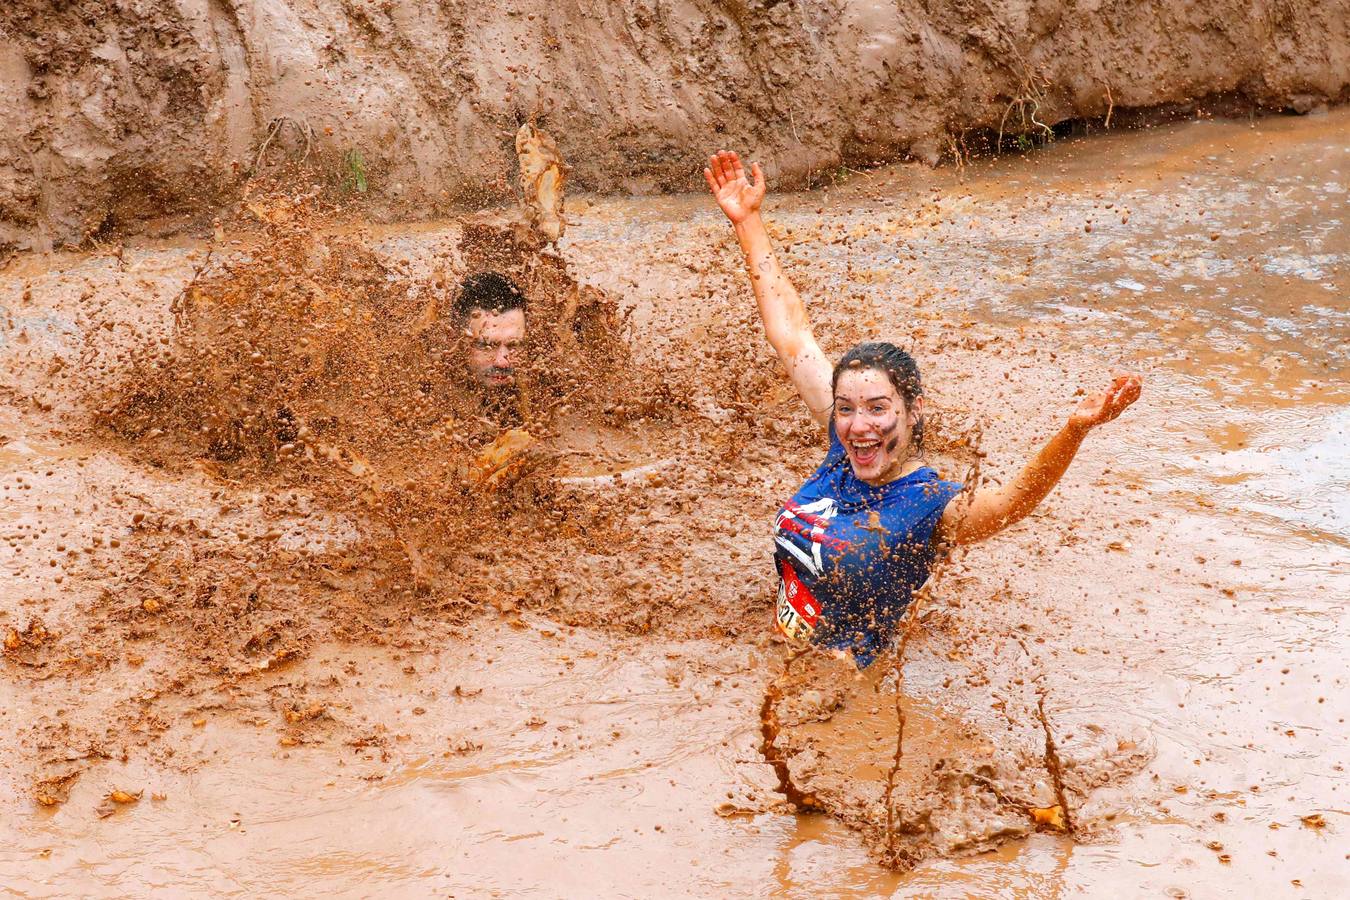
x=780, y=307
x=985, y=510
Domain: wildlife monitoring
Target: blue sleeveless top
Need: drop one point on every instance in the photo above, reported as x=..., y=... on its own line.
x=850, y=555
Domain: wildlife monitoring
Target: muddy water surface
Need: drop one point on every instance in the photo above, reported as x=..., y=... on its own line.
x=1184, y=589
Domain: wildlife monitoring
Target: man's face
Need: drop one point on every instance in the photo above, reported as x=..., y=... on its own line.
x=495, y=342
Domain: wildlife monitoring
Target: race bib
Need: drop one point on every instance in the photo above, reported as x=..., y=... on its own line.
x=798, y=611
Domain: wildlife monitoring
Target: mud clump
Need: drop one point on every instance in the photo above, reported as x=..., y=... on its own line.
x=770, y=728
x=23, y=646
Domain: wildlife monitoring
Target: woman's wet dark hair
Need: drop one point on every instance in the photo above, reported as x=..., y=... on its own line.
x=899, y=367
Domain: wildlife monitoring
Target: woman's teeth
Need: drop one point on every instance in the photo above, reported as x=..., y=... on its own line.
x=864, y=448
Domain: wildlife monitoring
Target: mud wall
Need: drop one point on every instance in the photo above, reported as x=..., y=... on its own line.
x=118, y=111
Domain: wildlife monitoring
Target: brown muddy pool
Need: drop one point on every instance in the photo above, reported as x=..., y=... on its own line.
x=1187, y=584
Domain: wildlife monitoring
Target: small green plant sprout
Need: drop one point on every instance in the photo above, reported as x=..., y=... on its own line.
x=353, y=172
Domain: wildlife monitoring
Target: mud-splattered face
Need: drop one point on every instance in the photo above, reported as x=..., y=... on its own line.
x=495, y=341
x=873, y=424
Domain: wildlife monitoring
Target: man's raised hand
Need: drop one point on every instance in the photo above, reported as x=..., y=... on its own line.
x=738, y=195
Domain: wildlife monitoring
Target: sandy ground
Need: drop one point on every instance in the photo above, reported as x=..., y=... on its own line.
x=577, y=710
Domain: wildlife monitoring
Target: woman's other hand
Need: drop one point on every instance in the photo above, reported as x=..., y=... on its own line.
x=1099, y=408
x=738, y=195
x=988, y=509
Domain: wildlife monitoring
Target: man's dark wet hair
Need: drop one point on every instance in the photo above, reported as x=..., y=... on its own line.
x=489, y=291
x=899, y=367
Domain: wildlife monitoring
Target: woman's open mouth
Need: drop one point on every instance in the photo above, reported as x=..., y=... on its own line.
x=864, y=453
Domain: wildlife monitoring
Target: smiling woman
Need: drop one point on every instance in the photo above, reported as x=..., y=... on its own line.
x=862, y=533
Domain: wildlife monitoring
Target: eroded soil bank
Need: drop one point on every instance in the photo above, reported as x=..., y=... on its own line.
x=120, y=114
x=581, y=714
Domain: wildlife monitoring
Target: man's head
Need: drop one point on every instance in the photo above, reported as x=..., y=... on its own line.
x=491, y=310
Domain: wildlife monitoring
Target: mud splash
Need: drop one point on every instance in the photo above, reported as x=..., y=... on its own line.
x=770, y=728
x=353, y=483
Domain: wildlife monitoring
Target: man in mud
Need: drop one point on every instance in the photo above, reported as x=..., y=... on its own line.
x=490, y=314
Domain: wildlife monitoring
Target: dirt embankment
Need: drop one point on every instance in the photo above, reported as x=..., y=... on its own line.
x=119, y=112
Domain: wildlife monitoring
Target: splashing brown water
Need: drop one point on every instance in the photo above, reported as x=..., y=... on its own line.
x=770, y=728
x=333, y=384
x=893, y=855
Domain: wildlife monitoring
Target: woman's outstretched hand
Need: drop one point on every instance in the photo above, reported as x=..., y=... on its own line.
x=738, y=195
x=988, y=509
x=1099, y=408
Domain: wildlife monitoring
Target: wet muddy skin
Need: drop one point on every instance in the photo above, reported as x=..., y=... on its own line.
x=1179, y=599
